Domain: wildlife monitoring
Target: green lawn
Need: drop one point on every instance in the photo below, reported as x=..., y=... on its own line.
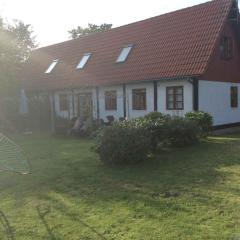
x=70, y=195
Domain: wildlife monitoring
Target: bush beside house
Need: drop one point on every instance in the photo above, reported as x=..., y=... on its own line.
x=182, y=132
x=123, y=143
x=131, y=141
x=203, y=119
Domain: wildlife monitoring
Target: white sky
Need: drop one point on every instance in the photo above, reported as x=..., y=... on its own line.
x=51, y=19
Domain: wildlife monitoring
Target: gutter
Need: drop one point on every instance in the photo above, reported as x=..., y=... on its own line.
x=183, y=77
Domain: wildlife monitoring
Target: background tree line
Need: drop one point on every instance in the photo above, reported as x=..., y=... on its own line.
x=92, y=28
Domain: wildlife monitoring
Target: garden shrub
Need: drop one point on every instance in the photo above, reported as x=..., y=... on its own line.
x=154, y=116
x=182, y=132
x=155, y=124
x=130, y=141
x=123, y=143
x=203, y=119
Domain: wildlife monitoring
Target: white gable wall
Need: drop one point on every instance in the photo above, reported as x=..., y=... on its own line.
x=215, y=98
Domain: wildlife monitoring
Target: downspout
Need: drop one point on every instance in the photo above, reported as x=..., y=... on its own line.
x=195, y=84
x=73, y=104
x=97, y=96
x=155, y=86
x=69, y=113
x=124, y=102
x=53, y=116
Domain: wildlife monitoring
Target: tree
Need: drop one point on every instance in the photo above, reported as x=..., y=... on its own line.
x=16, y=43
x=92, y=28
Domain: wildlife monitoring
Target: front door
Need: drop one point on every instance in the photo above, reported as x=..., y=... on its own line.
x=85, y=108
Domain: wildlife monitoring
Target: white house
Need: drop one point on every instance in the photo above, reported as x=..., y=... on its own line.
x=187, y=60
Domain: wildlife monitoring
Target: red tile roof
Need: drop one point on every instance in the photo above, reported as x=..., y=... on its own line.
x=171, y=45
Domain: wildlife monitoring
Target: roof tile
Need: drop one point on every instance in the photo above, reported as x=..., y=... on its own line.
x=170, y=45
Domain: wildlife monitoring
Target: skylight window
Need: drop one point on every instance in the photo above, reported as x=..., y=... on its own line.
x=52, y=66
x=124, y=54
x=84, y=61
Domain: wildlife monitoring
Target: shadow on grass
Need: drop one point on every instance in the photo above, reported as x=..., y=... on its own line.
x=69, y=167
x=42, y=215
x=175, y=170
x=66, y=171
x=59, y=208
x=6, y=226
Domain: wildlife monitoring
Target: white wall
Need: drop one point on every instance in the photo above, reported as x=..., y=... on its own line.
x=214, y=97
x=187, y=96
x=162, y=85
x=119, y=113
x=149, y=95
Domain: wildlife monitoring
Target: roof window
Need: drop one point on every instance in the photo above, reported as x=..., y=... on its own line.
x=84, y=61
x=52, y=66
x=124, y=54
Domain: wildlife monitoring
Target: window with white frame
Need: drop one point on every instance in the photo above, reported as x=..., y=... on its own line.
x=124, y=54
x=84, y=60
x=52, y=66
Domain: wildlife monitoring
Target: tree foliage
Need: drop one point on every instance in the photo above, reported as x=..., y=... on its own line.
x=16, y=43
x=92, y=28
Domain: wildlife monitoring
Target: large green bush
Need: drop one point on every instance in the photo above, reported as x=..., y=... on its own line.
x=123, y=143
x=182, y=132
x=203, y=119
x=130, y=141
x=155, y=123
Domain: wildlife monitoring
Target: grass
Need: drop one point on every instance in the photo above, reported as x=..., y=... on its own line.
x=185, y=194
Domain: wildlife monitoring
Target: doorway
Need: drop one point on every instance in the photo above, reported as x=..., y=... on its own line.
x=85, y=106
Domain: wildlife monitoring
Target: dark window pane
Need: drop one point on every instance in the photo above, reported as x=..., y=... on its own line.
x=170, y=91
x=234, y=97
x=63, y=102
x=174, y=98
x=179, y=105
x=170, y=105
x=111, y=100
x=227, y=48
x=139, y=101
x=179, y=98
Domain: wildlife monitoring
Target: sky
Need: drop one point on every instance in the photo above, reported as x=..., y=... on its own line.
x=52, y=19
